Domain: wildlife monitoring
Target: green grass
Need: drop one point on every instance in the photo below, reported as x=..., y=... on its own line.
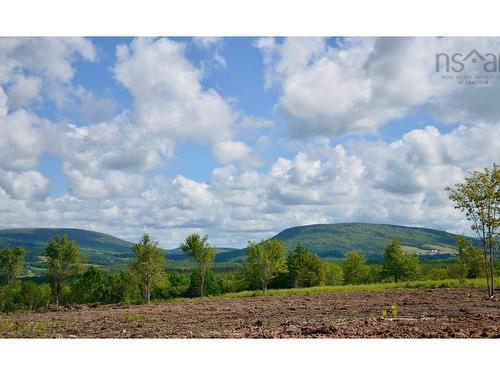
x=129, y=317
x=425, y=284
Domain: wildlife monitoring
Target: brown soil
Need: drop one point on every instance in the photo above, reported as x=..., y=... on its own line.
x=442, y=313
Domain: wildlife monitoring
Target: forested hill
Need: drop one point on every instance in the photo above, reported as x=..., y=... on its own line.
x=334, y=240
x=326, y=240
x=99, y=248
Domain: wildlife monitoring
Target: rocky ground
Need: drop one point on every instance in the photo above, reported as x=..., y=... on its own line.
x=440, y=313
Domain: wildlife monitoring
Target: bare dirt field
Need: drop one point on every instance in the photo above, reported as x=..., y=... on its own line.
x=440, y=313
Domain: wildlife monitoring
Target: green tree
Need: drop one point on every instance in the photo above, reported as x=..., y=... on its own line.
x=199, y=249
x=264, y=261
x=64, y=262
x=479, y=198
x=334, y=275
x=397, y=265
x=92, y=286
x=125, y=288
x=354, y=268
x=472, y=258
x=149, y=265
x=305, y=269
x=11, y=265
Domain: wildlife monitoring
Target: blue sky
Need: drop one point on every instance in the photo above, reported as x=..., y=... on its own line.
x=237, y=138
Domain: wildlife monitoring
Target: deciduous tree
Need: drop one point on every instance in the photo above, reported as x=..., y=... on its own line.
x=264, y=261
x=397, y=265
x=479, y=198
x=149, y=264
x=11, y=265
x=354, y=268
x=199, y=249
x=64, y=262
x=305, y=269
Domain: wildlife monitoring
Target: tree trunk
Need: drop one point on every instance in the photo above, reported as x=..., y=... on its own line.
x=486, y=266
x=147, y=293
x=202, y=285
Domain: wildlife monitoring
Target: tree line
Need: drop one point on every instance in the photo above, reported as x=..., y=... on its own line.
x=266, y=266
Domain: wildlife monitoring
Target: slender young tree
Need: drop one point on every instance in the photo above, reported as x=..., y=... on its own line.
x=265, y=261
x=11, y=265
x=199, y=249
x=479, y=198
x=64, y=262
x=149, y=264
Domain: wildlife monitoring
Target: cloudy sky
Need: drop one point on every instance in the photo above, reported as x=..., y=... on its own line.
x=238, y=138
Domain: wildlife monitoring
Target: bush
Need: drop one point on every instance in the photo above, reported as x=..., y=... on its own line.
x=33, y=296
x=179, y=284
x=93, y=286
x=24, y=295
x=125, y=288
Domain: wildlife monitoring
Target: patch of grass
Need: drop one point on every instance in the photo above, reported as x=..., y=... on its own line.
x=384, y=314
x=23, y=328
x=394, y=310
x=6, y=325
x=421, y=284
x=129, y=317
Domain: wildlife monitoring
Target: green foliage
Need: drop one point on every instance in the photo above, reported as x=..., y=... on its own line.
x=354, y=268
x=64, y=262
x=11, y=264
x=305, y=269
x=130, y=317
x=397, y=265
x=472, y=258
x=94, y=285
x=161, y=289
x=264, y=262
x=23, y=296
x=437, y=273
x=125, y=288
x=457, y=271
x=394, y=310
x=199, y=249
x=149, y=265
x=214, y=284
x=479, y=198
x=33, y=296
x=179, y=284
x=334, y=275
x=418, y=284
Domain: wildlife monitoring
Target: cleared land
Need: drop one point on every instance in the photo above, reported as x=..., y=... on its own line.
x=457, y=312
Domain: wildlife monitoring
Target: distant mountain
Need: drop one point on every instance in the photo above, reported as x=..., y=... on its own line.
x=334, y=240
x=326, y=240
x=99, y=248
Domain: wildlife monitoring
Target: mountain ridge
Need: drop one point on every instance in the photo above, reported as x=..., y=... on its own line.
x=327, y=240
